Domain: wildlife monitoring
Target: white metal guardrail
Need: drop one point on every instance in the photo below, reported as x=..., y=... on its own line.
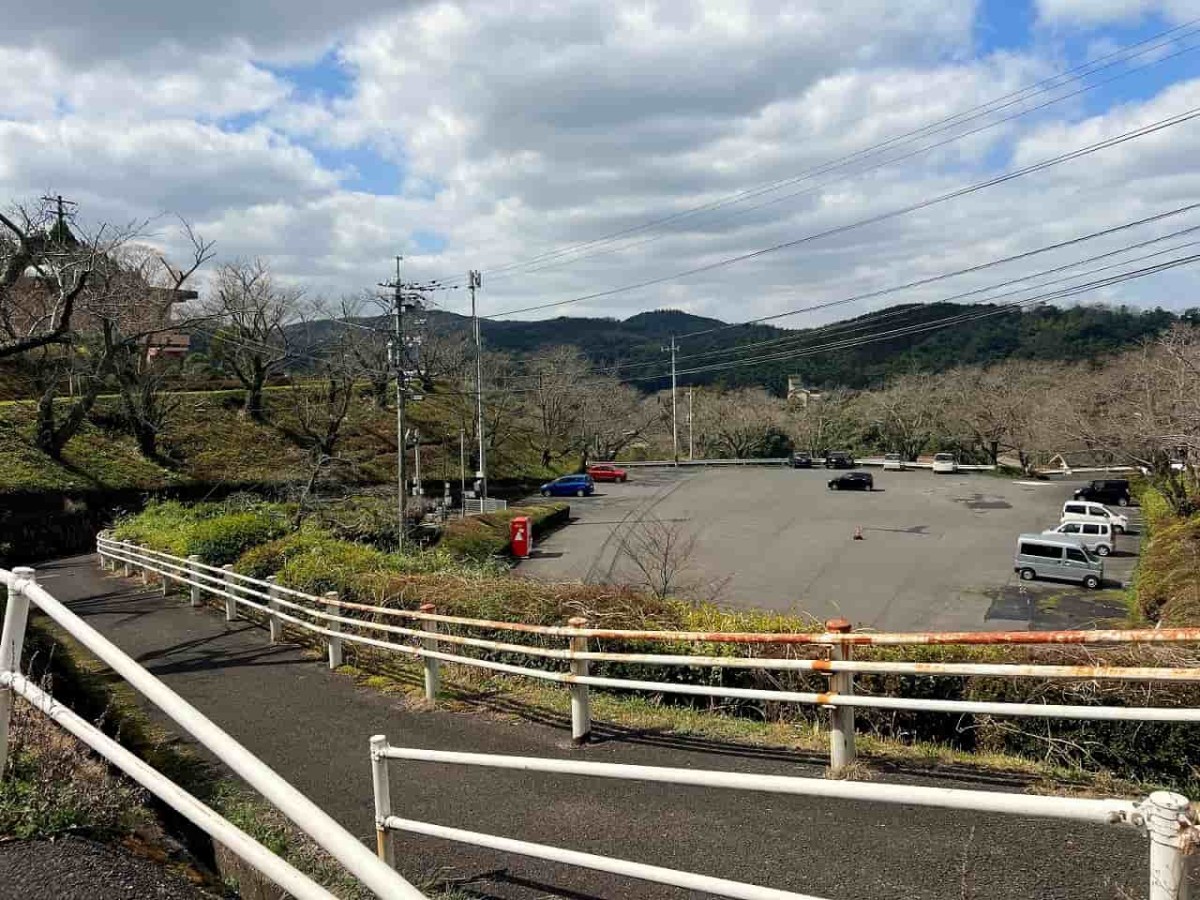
x=24, y=591
x=1165, y=817
x=477, y=506
x=425, y=634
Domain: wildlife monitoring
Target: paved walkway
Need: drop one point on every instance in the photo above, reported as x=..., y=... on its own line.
x=312, y=726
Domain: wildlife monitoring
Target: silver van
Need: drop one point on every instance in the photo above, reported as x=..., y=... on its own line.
x=1050, y=556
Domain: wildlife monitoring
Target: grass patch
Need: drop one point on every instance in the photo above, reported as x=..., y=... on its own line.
x=1167, y=581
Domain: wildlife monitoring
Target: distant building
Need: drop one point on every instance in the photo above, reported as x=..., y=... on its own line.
x=799, y=393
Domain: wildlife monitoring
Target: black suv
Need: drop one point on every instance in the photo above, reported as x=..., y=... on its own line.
x=1114, y=490
x=802, y=459
x=838, y=459
x=853, y=481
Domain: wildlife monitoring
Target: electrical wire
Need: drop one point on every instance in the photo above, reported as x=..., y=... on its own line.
x=1003, y=178
x=1050, y=83
x=936, y=325
x=872, y=168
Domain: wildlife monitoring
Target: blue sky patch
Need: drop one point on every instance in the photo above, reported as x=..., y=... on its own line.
x=327, y=78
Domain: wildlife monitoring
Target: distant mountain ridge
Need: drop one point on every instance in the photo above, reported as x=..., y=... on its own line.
x=855, y=352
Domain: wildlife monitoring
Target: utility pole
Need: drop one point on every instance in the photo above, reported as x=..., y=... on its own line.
x=691, y=445
x=475, y=280
x=674, y=408
x=398, y=363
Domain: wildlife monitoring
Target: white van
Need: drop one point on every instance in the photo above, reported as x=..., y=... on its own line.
x=1045, y=556
x=894, y=462
x=944, y=463
x=1096, y=536
x=1086, y=511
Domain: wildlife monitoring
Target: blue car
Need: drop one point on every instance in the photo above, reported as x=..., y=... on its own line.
x=569, y=486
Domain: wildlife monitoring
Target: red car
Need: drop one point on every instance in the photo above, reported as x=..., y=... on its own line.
x=606, y=472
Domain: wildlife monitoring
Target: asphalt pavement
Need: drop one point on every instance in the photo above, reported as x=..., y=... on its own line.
x=936, y=552
x=312, y=726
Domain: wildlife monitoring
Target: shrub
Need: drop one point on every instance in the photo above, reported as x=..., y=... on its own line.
x=218, y=532
x=483, y=537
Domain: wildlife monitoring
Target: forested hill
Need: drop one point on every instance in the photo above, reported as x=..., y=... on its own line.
x=852, y=353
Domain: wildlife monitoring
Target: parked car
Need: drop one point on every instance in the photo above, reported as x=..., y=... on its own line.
x=1079, y=511
x=569, y=486
x=893, y=462
x=838, y=459
x=944, y=463
x=1096, y=536
x=1106, y=490
x=1058, y=557
x=607, y=472
x=853, y=481
x=802, y=459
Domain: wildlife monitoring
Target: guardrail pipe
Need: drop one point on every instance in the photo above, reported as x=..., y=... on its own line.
x=12, y=640
x=309, y=817
x=841, y=732
x=334, y=626
x=1170, y=831
x=194, y=570
x=581, y=704
x=385, y=843
x=273, y=604
x=433, y=677
x=231, y=612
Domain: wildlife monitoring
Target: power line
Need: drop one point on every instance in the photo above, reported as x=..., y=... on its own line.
x=738, y=348
x=1052, y=82
x=922, y=282
x=1011, y=175
x=937, y=324
x=874, y=167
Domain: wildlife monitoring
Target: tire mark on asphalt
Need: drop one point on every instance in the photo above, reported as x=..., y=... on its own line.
x=642, y=510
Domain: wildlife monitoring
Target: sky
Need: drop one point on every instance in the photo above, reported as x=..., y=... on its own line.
x=571, y=148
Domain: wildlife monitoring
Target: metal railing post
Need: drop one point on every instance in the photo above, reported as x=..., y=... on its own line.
x=166, y=583
x=273, y=605
x=144, y=567
x=1168, y=824
x=335, y=643
x=127, y=570
x=841, y=731
x=194, y=571
x=12, y=640
x=581, y=705
x=231, y=612
x=433, y=676
x=385, y=842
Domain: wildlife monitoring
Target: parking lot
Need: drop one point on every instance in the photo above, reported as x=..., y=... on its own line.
x=936, y=550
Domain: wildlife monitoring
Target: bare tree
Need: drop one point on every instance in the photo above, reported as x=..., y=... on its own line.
x=320, y=408
x=44, y=268
x=660, y=553
x=553, y=402
x=739, y=424
x=823, y=422
x=612, y=416
x=127, y=304
x=254, y=340
x=907, y=413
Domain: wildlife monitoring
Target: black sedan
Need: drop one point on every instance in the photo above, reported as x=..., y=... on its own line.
x=853, y=481
x=802, y=460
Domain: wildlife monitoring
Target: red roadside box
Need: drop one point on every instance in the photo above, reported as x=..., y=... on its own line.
x=522, y=537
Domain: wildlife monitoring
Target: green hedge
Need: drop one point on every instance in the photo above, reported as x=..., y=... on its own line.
x=487, y=536
x=218, y=533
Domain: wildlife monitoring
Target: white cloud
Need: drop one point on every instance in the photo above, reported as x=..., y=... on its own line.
x=1096, y=12
x=523, y=127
